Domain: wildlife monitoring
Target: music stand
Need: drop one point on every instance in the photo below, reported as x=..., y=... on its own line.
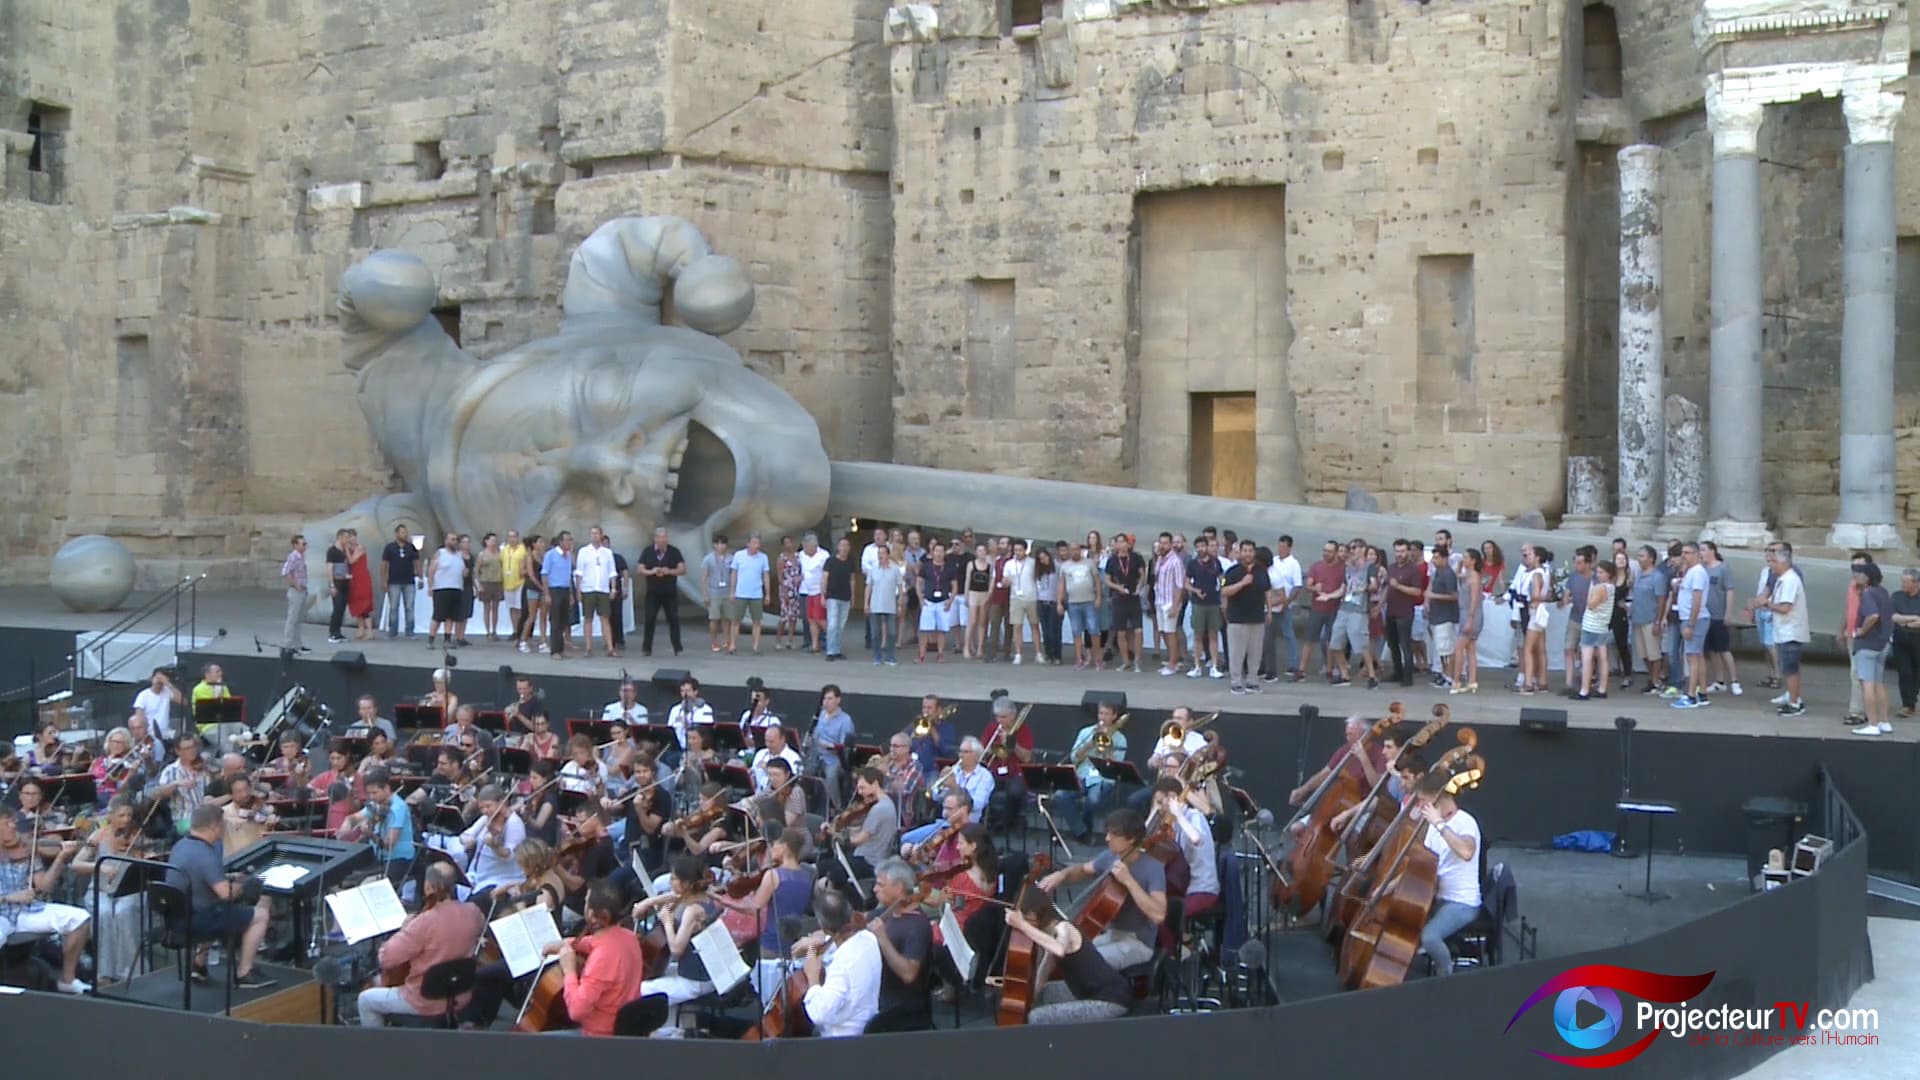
x=515, y=761
x=571, y=802
x=1652, y=809
x=600, y=730
x=420, y=717
x=660, y=735
x=1119, y=772
x=1050, y=779
x=727, y=739
x=444, y=819
x=862, y=753
x=493, y=720
x=73, y=788
x=430, y=855
x=423, y=756
x=738, y=777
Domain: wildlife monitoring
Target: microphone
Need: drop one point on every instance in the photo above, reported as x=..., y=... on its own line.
x=1253, y=954
x=257, y=647
x=329, y=971
x=1264, y=819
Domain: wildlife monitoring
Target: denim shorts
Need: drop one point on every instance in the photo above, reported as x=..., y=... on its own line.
x=1763, y=619
x=1594, y=639
x=1083, y=617
x=1696, y=643
x=1869, y=665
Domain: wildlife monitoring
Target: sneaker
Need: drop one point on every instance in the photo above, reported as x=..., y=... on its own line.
x=1219, y=674
x=1736, y=690
x=1670, y=692
x=1582, y=697
x=1340, y=680
x=1016, y=660
x=523, y=646
x=1852, y=720
x=336, y=640
x=1874, y=729
x=1684, y=702
x=1792, y=708
x=1650, y=688
x=253, y=980
x=1255, y=688
x=1298, y=676
x=75, y=987
x=1238, y=689
x=1717, y=688
x=1782, y=699
x=1373, y=683
x=1194, y=674
x=1167, y=669
x=1136, y=665
x=893, y=663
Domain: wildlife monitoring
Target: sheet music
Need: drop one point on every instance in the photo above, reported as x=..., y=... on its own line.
x=956, y=941
x=522, y=937
x=283, y=875
x=721, y=956
x=368, y=911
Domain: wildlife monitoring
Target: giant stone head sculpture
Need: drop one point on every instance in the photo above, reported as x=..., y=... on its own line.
x=620, y=419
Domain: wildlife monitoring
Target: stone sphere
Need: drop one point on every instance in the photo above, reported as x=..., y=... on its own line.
x=391, y=290
x=713, y=295
x=92, y=573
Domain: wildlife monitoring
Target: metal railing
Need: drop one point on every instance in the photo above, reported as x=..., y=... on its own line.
x=1838, y=822
x=176, y=608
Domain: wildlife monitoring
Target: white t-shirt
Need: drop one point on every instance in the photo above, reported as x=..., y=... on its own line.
x=1286, y=577
x=1695, y=578
x=813, y=572
x=683, y=714
x=1021, y=583
x=1458, y=879
x=1795, y=625
x=869, y=558
x=490, y=868
x=159, y=712
x=617, y=711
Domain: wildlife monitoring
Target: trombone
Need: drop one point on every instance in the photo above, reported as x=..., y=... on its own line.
x=923, y=725
x=1172, y=730
x=1101, y=743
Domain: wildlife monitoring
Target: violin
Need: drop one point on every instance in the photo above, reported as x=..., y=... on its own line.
x=853, y=815
x=924, y=854
x=700, y=820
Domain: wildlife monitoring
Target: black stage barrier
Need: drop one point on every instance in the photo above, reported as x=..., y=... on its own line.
x=1805, y=943
x=1539, y=785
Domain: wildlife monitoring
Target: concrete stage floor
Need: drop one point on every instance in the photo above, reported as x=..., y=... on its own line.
x=258, y=613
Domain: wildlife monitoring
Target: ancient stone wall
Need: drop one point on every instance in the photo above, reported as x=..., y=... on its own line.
x=1399, y=133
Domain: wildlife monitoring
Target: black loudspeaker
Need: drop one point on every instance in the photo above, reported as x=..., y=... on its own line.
x=1091, y=701
x=1543, y=721
x=667, y=679
x=350, y=661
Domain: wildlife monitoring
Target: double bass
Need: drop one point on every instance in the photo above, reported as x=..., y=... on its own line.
x=1358, y=884
x=1019, y=977
x=1376, y=811
x=1310, y=864
x=1381, y=946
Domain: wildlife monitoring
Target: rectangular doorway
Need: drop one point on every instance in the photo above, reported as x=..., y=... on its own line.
x=1222, y=455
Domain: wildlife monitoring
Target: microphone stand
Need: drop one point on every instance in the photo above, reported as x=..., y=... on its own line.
x=1625, y=724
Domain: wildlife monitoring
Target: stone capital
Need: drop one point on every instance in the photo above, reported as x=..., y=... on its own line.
x=1735, y=122
x=1871, y=114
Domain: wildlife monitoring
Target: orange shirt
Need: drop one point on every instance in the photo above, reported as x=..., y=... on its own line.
x=447, y=931
x=609, y=979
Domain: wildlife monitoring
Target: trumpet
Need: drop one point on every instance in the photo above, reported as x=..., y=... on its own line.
x=923, y=726
x=1173, y=731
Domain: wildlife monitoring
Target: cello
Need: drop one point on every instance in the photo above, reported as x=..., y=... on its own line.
x=1377, y=813
x=1019, y=977
x=1359, y=882
x=1308, y=866
x=1381, y=946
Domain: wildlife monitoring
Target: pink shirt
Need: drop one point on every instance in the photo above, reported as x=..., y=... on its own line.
x=447, y=931
x=609, y=979
x=1169, y=580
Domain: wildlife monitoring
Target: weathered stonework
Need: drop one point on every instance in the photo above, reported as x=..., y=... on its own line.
x=952, y=224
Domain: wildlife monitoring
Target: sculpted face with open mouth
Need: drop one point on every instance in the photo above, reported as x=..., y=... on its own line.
x=618, y=420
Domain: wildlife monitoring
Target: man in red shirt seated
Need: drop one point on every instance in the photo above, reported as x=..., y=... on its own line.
x=445, y=929
x=610, y=975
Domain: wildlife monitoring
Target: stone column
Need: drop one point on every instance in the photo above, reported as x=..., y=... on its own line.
x=1733, y=500
x=1866, y=517
x=1642, y=383
x=1686, y=447
x=1586, y=496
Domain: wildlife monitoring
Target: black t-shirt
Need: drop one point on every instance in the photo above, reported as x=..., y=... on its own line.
x=1249, y=605
x=1205, y=579
x=912, y=935
x=1126, y=572
x=1905, y=605
x=336, y=564
x=651, y=559
x=619, y=575
x=839, y=578
x=403, y=563
x=653, y=846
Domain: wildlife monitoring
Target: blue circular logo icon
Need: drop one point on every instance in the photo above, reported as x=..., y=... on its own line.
x=1587, y=1017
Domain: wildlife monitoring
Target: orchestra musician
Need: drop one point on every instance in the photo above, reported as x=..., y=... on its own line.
x=212, y=685
x=542, y=882
x=213, y=897
x=775, y=746
x=1408, y=769
x=705, y=826
x=790, y=796
x=966, y=775
x=292, y=762
x=1175, y=802
x=905, y=937
x=47, y=756
x=827, y=744
x=583, y=773
x=843, y=999
x=683, y=912
x=151, y=750
x=340, y=785
x=519, y=711
x=24, y=908
x=759, y=714
x=1087, y=987
x=154, y=705
x=440, y=697
x=871, y=826
x=447, y=785
x=905, y=781
x=379, y=754
x=616, y=752
x=490, y=841
x=444, y=929
x=463, y=729
x=1454, y=836
x=691, y=773
x=626, y=710
x=602, y=970
x=32, y=797
x=385, y=822
x=689, y=712
x=183, y=783
x=118, y=766
x=938, y=848
x=120, y=917
x=647, y=813
x=981, y=923
x=248, y=816
x=1007, y=807
x=539, y=801
x=1365, y=767
x=367, y=719
x=1101, y=740
x=781, y=896
x=934, y=736
x=542, y=742
x=1128, y=941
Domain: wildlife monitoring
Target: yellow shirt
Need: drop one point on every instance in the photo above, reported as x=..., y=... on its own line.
x=207, y=691
x=513, y=567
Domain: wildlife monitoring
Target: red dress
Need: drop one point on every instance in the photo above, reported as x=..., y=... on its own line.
x=359, y=588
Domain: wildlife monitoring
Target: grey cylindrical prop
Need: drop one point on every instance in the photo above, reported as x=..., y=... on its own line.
x=1642, y=385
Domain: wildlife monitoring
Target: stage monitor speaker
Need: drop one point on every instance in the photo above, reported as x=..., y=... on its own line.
x=667, y=679
x=1544, y=721
x=1091, y=701
x=350, y=661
